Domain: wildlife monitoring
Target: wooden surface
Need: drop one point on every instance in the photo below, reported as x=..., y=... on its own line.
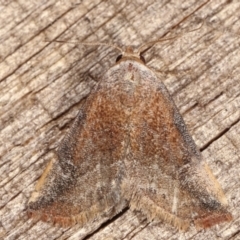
x=44, y=83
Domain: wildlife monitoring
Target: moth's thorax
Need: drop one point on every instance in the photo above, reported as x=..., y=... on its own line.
x=133, y=71
x=127, y=75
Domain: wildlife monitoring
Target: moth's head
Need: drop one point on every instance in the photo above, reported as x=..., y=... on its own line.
x=129, y=54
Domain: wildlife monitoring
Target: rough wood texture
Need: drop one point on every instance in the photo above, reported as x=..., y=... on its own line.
x=44, y=83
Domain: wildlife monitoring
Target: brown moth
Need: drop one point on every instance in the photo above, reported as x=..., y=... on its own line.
x=129, y=146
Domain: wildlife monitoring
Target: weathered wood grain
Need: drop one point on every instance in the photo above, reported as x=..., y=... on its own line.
x=43, y=84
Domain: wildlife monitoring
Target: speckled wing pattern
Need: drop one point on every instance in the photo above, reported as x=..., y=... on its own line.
x=129, y=147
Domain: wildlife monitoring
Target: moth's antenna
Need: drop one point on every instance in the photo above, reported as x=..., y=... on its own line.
x=186, y=17
x=146, y=46
x=143, y=48
x=93, y=44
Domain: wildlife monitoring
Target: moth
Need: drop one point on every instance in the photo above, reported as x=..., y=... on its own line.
x=129, y=146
